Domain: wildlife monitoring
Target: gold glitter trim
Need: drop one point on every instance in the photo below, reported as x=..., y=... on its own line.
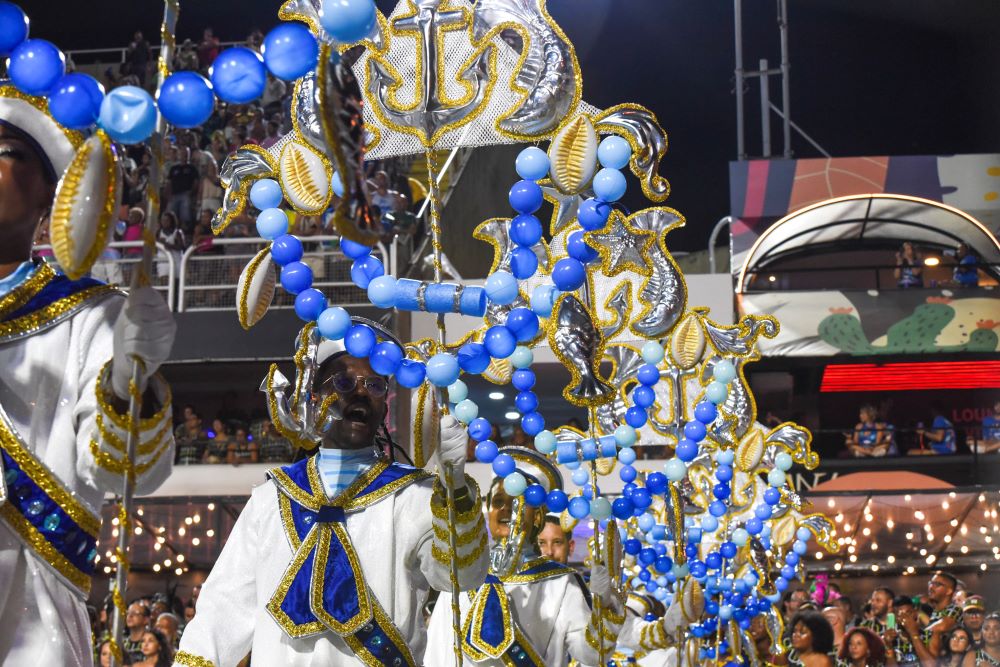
x=570, y=364
x=147, y=446
x=440, y=511
x=285, y=510
x=274, y=604
x=444, y=556
x=121, y=466
x=24, y=292
x=384, y=491
x=657, y=181
x=605, y=252
x=241, y=196
x=242, y=307
x=104, y=398
x=32, y=322
x=465, y=538
x=43, y=548
x=297, y=181
x=192, y=660
x=474, y=619
x=39, y=473
x=74, y=137
x=391, y=631
x=322, y=552
x=418, y=426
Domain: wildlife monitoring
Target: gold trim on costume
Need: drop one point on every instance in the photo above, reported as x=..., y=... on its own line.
x=322, y=548
x=192, y=660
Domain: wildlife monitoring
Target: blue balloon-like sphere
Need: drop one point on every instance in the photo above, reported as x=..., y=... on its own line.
x=238, y=75
x=486, y=451
x=705, y=412
x=523, y=324
x=523, y=263
x=532, y=164
x=499, y=341
x=410, y=373
x=526, y=401
x=36, y=65
x=648, y=375
x=503, y=465
x=578, y=249
x=631, y=546
x=525, y=230
x=534, y=495
x=622, y=508
x=556, y=501
x=480, y=429
x=568, y=274
x=636, y=417
x=641, y=498
x=695, y=430
x=348, y=247
x=365, y=269
x=501, y=288
x=290, y=51
x=525, y=197
x=721, y=491
x=593, y=214
x=543, y=299
x=286, y=249
x=614, y=152
x=348, y=21
x=309, y=304
x=14, y=26
x=385, y=358
x=272, y=223
x=382, y=291
x=533, y=423
x=186, y=99
x=643, y=396
x=265, y=193
x=442, y=369
x=609, y=184
x=772, y=495
x=579, y=507
x=647, y=557
x=523, y=379
x=686, y=450
x=473, y=358
x=128, y=115
x=75, y=100
x=656, y=482
x=717, y=508
x=360, y=341
x=728, y=550
x=627, y=473
x=724, y=473
x=296, y=277
x=333, y=323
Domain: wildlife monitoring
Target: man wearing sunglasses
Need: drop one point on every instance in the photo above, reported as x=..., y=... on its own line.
x=332, y=559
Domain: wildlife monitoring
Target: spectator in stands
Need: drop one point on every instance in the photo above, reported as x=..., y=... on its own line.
x=792, y=600
x=137, y=180
x=210, y=191
x=944, y=615
x=941, y=434
x=990, y=436
x=169, y=625
x=380, y=193
x=989, y=654
x=172, y=237
x=104, y=654
x=255, y=39
x=219, y=147
x=208, y=49
x=811, y=640
x=836, y=618
x=189, y=612
x=957, y=645
x=880, y=603
x=966, y=272
x=908, y=267
x=973, y=615
x=182, y=186
x=272, y=135
x=272, y=448
x=133, y=230
x=555, y=543
x=137, y=57
x=156, y=650
x=136, y=622
x=190, y=438
x=861, y=648
x=242, y=449
x=217, y=448
x=905, y=638
x=274, y=91
x=186, y=58
x=870, y=437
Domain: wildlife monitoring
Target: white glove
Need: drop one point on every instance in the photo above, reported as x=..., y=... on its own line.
x=673, y=620
x=600, y=581
x=145, y=329
x=454, y=442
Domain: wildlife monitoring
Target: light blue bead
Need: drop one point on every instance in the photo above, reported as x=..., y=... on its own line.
x=580, y=476
x=466, y=411
x=803, y=534
x=783, y=461
x=614, y=152
x=10, y=477
x=776, y=478
x=545, y=442
x=522, y=357
x=725, y=612
x=348, y=20
x=609, y=184
x=600, y=508
x=272, y=223
x=724, y=371
x=625, y=435
x=264, y=194
x=543, y=299
x=501, y=288
x=579, y=507
x=532, y=163
x=51, y=522
x=627, y=456
x=458, y=391
x=333, y=323
x=740, y=537
x=709, y=524
x=35, y=507
x=716, y=392
x=800, y=547
x=652, y=352
x=725, y=457
x=128, y=115
x=336, y=184
x=675, y=469
x=646, y=522
x=680, y=571
x=382, y=291
x=442, y=369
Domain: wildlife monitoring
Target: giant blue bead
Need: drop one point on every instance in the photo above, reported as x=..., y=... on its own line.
x=186, y=99
x=473, y=358
x=290, y=51
x=35, y=65
x=75, y=101
x=238, y=75
x=499, y=341
x=14, y=26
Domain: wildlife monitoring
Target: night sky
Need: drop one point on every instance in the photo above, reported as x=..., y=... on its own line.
x=869, y=77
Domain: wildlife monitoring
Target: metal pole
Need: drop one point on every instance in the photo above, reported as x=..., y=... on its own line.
x=765, y=109
x=786, y=65
x=140, y=279
x=741, y=153
x=727, y=220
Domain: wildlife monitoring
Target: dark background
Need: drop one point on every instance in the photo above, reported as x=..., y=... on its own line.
x=868, y=77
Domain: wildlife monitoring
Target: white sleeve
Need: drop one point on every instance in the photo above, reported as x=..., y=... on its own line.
x=435, y=555
x=221, y=632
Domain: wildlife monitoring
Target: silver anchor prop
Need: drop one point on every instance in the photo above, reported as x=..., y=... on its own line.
x=431, y=113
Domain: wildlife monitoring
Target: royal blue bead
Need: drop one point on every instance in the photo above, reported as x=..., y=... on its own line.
x=641, y=498
x=473, y=358
x=410, y=373
x=348, y=21
x=525, y=197
x=724, y=473
x=663, y=564
x=238, y=75
x=523, y=263
x=635, y=417
x=556, y=501
x=499, y=341
x=526, y=401
x=695, y=430
x=647, y=557
x=728, y=550
x=385, y=358
x=754, y=525
x=691, y=550
x=35, y=66
x=503, y=465
x=721, y=491
x=523, y=379
x=629, y=489
x=792, y=558
x=480, y=429
x=705, y=412
x=360, y=340
x=579, y=507
x=532, y=424
x=593, y=214
x=622, y=508
x=523, y=324
x=286, y=249
x=788, y=572
x=762, y=511
x=631, y=546
x=697, y=569
x=717, y=508
x=772, y=495
x=643, y=396
x=309, y=303
x=648, y=375
x=627, y=474
x=525, y=230
x=354, y=250
x=13, y=27
x=578, y=248
x=486, y=451
x=296, y=277
x=364, y=269
x=656, y=482
x=75, y=100
x=290, y=50
x=686, y=450
x=186, y=99
x=568, y=274
x=534, y=495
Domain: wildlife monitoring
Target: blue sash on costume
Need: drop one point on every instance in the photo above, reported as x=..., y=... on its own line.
x=324, y=587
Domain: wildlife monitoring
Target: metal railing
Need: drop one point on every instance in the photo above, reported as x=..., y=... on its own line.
x=119, y=261
x=870, y=276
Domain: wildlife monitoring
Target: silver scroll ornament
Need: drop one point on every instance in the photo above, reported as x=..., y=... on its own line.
x=640, y=127
x=238, y=172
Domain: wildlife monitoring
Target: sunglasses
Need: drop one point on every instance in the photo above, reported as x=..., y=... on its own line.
x=342, y=383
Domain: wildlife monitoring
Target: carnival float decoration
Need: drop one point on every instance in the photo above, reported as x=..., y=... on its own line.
x=718, y=531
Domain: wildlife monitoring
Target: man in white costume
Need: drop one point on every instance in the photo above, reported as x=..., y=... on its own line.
x=331, y=560
x=66, y=349
x=536, y=613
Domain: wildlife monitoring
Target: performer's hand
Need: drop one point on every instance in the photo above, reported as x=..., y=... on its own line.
x=454, y=441
x=145, y=329
x=600, y=581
